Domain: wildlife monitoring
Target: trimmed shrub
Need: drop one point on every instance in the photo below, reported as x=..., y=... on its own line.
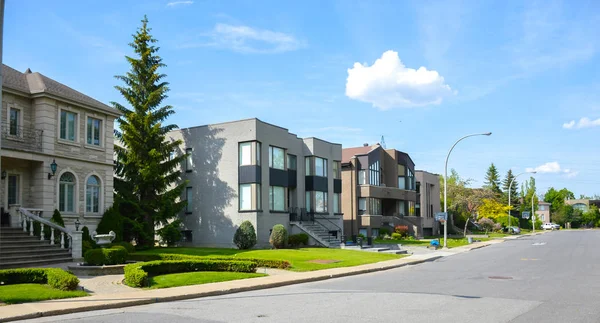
x=297, y=240
x=55, y=277
x=170, y=234
x=111, y=221
x=136, y=275
x=106, y=256
x=384, y=232
x=278, y=238
x=402, y=230
x=396, y=236
x=269, y=263
x=127, y=245
x=245, y=236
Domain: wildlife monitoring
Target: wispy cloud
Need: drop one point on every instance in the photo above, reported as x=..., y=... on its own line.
x=582, y=123
x=245, y=39
x=389, y=84
x=553, y=168
x=179, y=3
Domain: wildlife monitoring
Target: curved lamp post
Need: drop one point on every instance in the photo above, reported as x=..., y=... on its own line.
x=445, y=179
x=509, y=191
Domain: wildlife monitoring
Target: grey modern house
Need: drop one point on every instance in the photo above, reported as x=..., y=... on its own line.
x=256, y=171
x=428, y=191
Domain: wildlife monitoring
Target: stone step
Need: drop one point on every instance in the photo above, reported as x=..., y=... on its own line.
x=6, y=238
x=41, y=248
x=35, y=242
x=30, y=263
x=9, y=252
x=49, y=256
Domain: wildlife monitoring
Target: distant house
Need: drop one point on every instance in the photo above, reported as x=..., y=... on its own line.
x=543, y=212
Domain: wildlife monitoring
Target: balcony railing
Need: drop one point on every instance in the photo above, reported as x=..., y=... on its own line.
x=22, y=138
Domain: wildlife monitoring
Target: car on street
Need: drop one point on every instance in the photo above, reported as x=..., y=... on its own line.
x=550, y=226
x=514, y=230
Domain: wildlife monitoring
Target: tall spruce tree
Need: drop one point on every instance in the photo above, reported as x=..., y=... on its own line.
x=148, y=183
x=492, y=180
x=514, y=190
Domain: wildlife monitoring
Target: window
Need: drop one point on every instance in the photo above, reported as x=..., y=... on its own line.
x=374, y=232
x=188, y=160
x=418, y=187
x=374, y=206
x=66, y=193
x=189, y=199
x=337, y=201
x=172, y=155
x=308, y=201
x=249, y=153
x=307, y=163
x=276, y=157
x=411, y=180
x=411, y=208
x=542, y=207
x=93, y=131
x=362, y=232
x=401, y=177
x=321, y=202
x=401, y=208
x=291, y=162
x=418, y=209
x=320, y=167
x=362, y=205
x=542, y=218
x=374, y=177
x=67, y=125
x=15, y=122
x=249, y=197
x=337, y=170
x=277, y=198
x=13, y=189
x=92, y=194
x=362, y=177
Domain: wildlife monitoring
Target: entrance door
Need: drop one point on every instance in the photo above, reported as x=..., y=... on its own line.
x=13, y=190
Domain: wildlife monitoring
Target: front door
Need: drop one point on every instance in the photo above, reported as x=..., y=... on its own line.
x=13, y=190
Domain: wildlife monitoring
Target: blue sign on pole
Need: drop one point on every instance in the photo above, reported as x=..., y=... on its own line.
x=441, y=216
x=525, y=215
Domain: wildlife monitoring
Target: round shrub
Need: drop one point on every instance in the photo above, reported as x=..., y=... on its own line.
x=278, y=237
x=106, y=256
x=55, y=277
x=396, y=236
x=245, y=236
x=170, y=234
x=127, y=245
x=297, y=240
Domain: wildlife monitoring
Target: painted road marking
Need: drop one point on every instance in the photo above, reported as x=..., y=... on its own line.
x=539, y=244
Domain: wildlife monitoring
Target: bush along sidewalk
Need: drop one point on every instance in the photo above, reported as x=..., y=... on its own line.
x=268, y=263
x=136, y=275
x=54, y=277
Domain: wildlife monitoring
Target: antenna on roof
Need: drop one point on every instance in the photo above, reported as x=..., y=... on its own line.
x=383, y=142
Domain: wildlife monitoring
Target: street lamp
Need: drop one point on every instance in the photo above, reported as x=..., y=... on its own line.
x=509, y=190
x=532, y=214
x=446, y=178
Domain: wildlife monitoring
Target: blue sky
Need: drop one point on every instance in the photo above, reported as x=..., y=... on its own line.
x=421, y=74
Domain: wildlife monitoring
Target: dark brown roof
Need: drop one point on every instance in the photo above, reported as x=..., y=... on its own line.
x=37, y=83
x=348, y=153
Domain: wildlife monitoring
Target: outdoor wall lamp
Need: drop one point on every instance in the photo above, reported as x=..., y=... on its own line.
x=77, y=223
x=52, y=168
x=3, y=176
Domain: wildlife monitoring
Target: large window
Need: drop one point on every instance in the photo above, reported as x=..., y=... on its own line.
x=316, y=201
x=249, y=197
x=93, y=131
x=189, y=197
x=13, y=189
x=374, y=206
x=92, y=194
x=188, y=160
x=316, y=166
x=411, y=208
x=15, y=122
x=68, y=125
x=337, y=170
x=401, y=177
x=277, y=196
x=337, y=202
x=292, y=162
x=276, y=157
x=401, y=208
x=362, y=177
x=374, y=174
x=411, y=180
x=308, y=201
x=66, y=193
x=249, y=153
x=362, y=205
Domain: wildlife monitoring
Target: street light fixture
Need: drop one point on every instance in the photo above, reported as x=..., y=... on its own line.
x=446, y=178
x=509, y=190
x=532, y=213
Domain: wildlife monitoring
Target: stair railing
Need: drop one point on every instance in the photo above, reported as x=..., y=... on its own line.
x=29, y=216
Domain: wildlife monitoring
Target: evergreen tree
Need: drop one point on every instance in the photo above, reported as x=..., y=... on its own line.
x=514, y=190
x=146, y=181
x=492, y=179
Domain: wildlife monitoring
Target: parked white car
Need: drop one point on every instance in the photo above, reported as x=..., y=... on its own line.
x=550, y=226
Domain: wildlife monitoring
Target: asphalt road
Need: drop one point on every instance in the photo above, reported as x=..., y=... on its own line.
x=549, y=278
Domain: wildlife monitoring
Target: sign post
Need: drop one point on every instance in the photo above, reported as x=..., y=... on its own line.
x=525, y=215
x=441, y=216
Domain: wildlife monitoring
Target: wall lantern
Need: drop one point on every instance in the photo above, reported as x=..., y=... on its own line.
x=52, y=168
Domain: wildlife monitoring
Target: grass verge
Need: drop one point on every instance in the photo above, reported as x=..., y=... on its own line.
x=24, y=293
x=404, y=242
x=303, y=259
x=197, y=278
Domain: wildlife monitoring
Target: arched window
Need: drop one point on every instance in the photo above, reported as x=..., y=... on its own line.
x=66, y=193
x=92, y=194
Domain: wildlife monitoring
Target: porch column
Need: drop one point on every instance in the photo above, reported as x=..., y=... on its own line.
x=76, y=245
x=15, y=217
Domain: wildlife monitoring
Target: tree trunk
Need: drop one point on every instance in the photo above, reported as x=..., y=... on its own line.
x=466, y=224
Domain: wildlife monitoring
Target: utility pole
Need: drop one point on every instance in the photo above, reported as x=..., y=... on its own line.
x=532, y=213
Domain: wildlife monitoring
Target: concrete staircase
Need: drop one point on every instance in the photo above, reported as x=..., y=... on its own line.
x=319, y=233
x=19, y=249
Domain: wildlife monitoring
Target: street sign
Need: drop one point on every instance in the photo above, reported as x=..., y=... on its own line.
x=441, y=216
x=525, y=215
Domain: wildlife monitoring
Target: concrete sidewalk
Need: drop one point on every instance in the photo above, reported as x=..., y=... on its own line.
x=133, y=297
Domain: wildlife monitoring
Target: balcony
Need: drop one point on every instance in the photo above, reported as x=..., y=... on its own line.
x=21, y=138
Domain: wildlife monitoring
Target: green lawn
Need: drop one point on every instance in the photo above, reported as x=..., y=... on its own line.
x=303, y=259
x=23, y=293
x=197, y=278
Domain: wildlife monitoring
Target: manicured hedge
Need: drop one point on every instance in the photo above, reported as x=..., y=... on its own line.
x=280, y=264
x=106, y=256
x=136, y=275
x=55, y=277
x=297, y=240
x=127, y=245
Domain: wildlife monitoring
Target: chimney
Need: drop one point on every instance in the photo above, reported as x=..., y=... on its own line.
x=365, y=145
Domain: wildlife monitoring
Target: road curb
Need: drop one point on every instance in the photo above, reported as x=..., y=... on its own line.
x=151, y=300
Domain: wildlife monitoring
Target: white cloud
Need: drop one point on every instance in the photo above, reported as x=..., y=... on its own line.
x=553, y=167
x=583, y=123
x=179, y=3
x=389, y=84
x=245, y=39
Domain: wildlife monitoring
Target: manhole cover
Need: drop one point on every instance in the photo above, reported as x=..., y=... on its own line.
x=499, y=277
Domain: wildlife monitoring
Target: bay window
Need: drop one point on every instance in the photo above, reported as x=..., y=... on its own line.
x=337, y=169
x=277, y=198
x=249, y=197
x=276, y=158
x=249, y=153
